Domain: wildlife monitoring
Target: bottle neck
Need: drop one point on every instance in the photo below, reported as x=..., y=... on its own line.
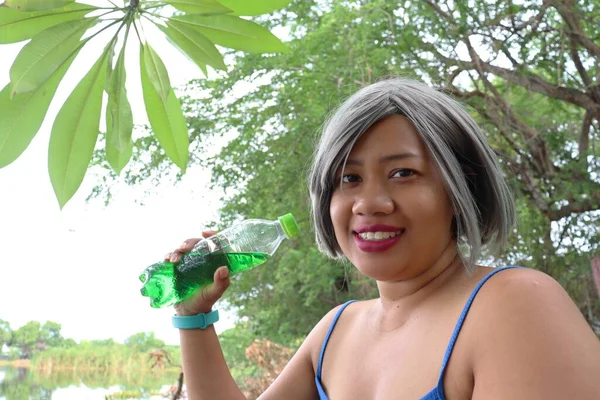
x=281, y=231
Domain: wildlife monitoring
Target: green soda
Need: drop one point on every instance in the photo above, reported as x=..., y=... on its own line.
x=173, y=283
x=239, y=248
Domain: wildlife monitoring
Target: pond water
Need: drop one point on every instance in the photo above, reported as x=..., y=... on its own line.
x=25, y=384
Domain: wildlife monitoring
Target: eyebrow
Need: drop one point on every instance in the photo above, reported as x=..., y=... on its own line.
x=391, y=157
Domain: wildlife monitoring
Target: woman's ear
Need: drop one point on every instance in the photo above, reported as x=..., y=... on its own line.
x=454, y=227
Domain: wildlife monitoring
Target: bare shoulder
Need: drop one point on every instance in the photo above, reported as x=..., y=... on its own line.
x=522, y=282
x=316, y=337
x=529, y=293
x=532, y=341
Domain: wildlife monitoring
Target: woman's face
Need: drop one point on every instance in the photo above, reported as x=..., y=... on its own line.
x=392, y=218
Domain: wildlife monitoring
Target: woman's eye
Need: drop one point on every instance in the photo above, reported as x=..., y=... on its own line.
x=403, y=173
x=350, y=178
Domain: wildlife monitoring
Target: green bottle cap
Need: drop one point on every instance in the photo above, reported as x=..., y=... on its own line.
x=290, y=227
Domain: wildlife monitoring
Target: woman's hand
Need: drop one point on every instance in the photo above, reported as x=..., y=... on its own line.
x=204, y=299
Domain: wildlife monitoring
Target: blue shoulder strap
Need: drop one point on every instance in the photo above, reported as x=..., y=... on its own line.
x=438, y=391
x=460, y=322
x=326, y=340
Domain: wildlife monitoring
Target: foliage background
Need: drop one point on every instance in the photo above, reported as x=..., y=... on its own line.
x=528, y=72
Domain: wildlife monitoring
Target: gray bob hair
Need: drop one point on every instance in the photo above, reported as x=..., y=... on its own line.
x=483, y=205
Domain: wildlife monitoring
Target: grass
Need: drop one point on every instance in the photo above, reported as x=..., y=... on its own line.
x=15, y=363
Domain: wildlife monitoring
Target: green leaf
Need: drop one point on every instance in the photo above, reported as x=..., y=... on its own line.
x=253, y=8
x=21, y=117
x=119, y=118
x=166, y=118
x=203, y=7
x=118, y=159
x=157, y=73
x=45, y=53
x=182, y=43
x=16, y=26
x=122, y=120
x=35, y=5
x=234, y=32
x=75, y=132
x=109, y=62
x=194, y=44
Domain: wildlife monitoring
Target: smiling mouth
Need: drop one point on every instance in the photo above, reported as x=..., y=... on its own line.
x=378, y=236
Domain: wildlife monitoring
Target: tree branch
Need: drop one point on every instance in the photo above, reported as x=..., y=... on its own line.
x=532, y=138
x=453, y=75
x=585, y=78
x=534, y=191
x=596, y=273
x=576, y=207
x=453, y=90
x=438, y=10
x=518, y=169
x=179, y=389
x=538, y=85
x=536, y=19
x=584, y=138
x=513, y=61
x=532, y=83
x=566, y=12
x=564, y=230
x=499, y=44
x=489, y=113
x=523, y=174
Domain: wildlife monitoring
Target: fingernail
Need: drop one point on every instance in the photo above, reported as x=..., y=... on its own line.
x=224, y=273
x=183, y=245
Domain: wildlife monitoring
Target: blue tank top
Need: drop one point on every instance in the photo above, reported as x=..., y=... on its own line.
x=437, y=393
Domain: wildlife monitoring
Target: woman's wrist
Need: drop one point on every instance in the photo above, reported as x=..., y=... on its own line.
x=182, y=311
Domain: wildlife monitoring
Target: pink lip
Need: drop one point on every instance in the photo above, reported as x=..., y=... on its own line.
x=370, y=246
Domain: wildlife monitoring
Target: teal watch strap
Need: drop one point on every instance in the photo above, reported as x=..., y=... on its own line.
x=198, y=321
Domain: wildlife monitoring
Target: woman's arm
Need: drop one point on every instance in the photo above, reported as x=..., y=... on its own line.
x=206, y=373
x=533, y=343
x=208, y=377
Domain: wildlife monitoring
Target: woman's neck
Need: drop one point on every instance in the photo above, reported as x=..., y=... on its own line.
x=404, y=297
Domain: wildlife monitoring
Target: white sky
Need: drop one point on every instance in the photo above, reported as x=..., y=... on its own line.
x=80, y=266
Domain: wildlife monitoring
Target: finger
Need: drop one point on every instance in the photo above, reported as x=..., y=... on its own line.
x=221, y=274
x=175, y=257
x=167, y=257
x=220, y=284
x=207, y=234
x=188, y=244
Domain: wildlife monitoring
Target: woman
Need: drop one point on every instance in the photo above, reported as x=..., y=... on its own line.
x=405, y=186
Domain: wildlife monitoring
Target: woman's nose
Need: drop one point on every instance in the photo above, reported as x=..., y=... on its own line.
x=373, y=199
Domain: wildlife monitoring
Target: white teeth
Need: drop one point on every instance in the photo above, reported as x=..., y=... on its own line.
x=378, y=235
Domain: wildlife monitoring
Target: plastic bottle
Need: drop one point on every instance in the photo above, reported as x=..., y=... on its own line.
x=240, y=247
